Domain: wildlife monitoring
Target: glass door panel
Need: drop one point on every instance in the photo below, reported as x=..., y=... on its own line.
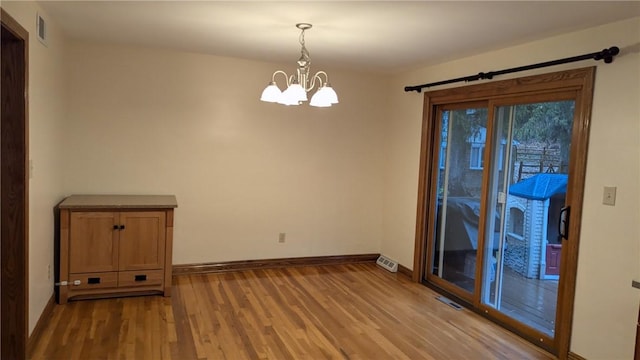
x=528, y=180
x=459, y=188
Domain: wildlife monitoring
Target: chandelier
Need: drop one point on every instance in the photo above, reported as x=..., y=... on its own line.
x=299, y=84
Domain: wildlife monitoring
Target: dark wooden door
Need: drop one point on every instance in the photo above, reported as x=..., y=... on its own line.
x=14, y=189
x=637, y=352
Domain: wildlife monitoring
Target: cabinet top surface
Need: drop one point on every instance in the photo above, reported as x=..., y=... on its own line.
x=119, y=201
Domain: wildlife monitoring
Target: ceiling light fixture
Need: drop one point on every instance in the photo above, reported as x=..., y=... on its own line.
x=301, y=83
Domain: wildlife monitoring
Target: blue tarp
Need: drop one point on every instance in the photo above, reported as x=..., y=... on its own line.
x=540, y=186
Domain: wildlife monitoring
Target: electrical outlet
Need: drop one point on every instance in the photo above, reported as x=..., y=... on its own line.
x=282, y=237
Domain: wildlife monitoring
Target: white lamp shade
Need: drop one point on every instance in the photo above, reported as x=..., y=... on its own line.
x=320, y=98
x=331, y=94
x=324, y=97
x=288, y=101
x=271, y=93
x=294, y=94
x=288, y=98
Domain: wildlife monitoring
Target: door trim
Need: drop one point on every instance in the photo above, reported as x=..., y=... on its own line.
x=579, y=80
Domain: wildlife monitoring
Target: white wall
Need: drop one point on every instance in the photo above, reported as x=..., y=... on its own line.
x=605, y=305
x=156, y=121
x=47, y=110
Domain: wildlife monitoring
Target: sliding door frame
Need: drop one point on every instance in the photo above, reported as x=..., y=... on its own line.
x=579, y=81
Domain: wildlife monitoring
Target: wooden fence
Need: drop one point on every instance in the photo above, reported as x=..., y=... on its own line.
x=531, y=160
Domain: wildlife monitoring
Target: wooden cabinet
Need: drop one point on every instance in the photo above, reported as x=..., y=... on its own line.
x=114, y=246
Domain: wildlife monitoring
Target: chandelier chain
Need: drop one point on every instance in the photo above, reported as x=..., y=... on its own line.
x=303, y=50
x=301, y=38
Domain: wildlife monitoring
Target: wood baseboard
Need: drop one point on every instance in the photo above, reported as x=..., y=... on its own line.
x=405, y=271
x=183, y=269
x=40, y=325
x=574, y=356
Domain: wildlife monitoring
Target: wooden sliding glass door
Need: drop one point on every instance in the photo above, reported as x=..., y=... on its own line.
x=457, y=190
x=525, y=196
x=502, y=169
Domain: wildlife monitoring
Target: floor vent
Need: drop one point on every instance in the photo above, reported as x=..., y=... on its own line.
x=387, y=263
x=449, y=302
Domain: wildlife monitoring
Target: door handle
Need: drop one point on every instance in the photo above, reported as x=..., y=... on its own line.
x=563, y=222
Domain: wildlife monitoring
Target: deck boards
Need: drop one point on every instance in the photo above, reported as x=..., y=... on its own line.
x=531, y=301
x=355, y=311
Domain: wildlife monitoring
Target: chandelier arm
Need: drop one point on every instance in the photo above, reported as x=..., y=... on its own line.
x=317, y=75
x=320, y=72
x=286, y=77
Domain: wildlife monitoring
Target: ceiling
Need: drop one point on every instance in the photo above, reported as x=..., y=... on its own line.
x=377, y=36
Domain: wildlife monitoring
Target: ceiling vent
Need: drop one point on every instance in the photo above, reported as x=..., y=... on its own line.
x=387, y=263
x=41, y=29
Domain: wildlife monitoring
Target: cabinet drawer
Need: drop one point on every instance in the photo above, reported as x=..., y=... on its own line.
x=140, y=278
x=88, y=281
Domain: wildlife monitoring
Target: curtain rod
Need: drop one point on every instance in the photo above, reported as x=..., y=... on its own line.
x=606, y=55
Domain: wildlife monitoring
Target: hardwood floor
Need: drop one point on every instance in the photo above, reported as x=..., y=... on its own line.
x=355, y=311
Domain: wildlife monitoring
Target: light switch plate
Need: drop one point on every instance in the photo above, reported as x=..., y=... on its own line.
x=609, y=195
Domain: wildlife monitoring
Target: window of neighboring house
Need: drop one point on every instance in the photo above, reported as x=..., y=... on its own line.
x=476, y=160
x=516, y=222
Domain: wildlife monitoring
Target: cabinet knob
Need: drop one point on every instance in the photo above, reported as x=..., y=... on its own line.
x=121, y=227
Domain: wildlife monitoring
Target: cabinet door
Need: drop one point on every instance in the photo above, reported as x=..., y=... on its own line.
x=142, y=240
x=93, y=242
